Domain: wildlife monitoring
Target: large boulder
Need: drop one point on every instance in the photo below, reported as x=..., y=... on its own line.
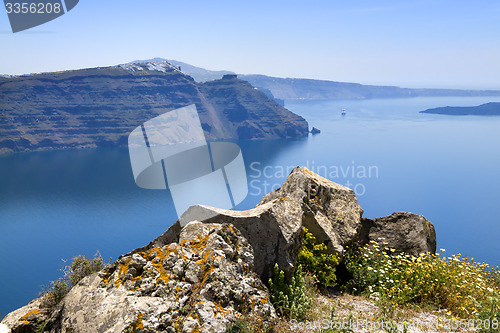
x=329, y=210
x=202, y=283
x=405, y=232
x=274, y=227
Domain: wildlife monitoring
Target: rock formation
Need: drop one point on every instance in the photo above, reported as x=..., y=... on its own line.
x=274, y=227
x=203, y=282
x=99, y=107
x=315, y=131
x=404, y=232
x=200, y=277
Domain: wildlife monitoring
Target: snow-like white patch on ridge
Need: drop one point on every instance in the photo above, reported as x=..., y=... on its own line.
x=162, y=66
x=131, y=67
x=157, y=66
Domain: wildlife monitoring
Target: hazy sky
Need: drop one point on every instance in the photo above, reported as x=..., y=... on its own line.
x=413, y=43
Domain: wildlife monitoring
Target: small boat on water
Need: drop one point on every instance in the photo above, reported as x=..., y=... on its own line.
x=343, y=112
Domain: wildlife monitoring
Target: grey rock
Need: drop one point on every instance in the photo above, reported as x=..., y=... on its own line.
x=274, y=227
x=192, y=272
x=158, y=299
x=26, y=319
x=140, y=260
x=405, y=232
x=330, y=211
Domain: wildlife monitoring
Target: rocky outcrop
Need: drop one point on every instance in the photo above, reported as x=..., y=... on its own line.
x=200, y=277
x=329, y=210
x=201, y=283
x=405, y=232
x=314, y=131
x=27, y=319
x=274, y=227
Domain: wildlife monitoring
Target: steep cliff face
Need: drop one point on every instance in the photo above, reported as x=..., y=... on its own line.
x=245, y=111
x=100, y=106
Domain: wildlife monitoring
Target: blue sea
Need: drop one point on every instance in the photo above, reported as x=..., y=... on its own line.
x=57, y=204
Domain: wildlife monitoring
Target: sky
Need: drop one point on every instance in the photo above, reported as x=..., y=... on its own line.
x=410, y=43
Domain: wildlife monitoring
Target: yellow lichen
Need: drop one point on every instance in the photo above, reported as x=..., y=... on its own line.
x=25, y=320
x=198, y=245
x=32, y=312
x=139, y=323
x=122, y=270
x=219, y=309
x=136, y=326
x=158, y=264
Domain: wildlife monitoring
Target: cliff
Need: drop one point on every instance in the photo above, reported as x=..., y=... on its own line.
x=100, y=106
x=205, y=276
x=294, y=88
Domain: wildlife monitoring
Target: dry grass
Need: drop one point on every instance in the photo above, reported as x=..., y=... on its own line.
x=335, y=310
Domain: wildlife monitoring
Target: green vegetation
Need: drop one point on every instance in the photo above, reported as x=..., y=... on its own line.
x=491, y=314
x=240, y=326
x=316, y=261
x=289, y=299
x=466, y=288
x=244, y=325
x=401, y=284
x=79, y=268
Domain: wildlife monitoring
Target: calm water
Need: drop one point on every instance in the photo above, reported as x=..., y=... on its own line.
x=55, y=205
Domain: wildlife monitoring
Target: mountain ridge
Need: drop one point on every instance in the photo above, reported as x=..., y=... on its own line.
x=97, y=107
x=304, y=88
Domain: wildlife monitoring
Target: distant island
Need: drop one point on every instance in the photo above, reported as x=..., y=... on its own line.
x=488, y=109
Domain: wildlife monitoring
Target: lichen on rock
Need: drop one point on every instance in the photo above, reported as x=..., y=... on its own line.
x=203, y=282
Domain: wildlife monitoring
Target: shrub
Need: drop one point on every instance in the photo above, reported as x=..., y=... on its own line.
x=55, y=293
x=239, y=326
x=491, y=314
x=82, y=267
x=289, y=297
x=247, y=325
x=79, y=268
x=315, y=260
x=458, y=284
